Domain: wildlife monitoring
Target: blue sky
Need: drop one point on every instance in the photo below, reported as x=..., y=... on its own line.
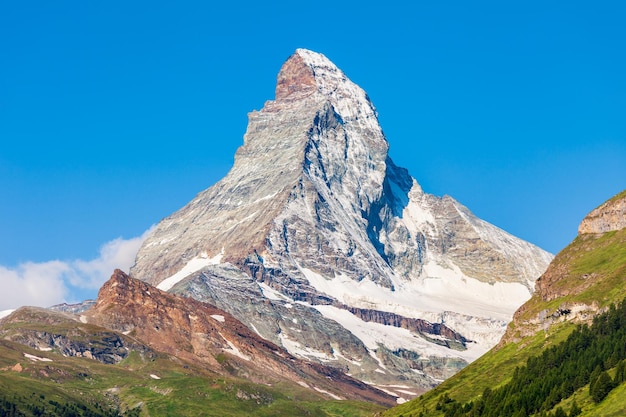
x=113, y=115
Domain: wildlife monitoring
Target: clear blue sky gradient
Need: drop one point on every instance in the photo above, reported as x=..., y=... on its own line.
x=113, y=115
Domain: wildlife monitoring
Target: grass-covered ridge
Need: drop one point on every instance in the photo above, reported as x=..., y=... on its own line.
x=591, y=271
x=46, y=383
x=583, y=359
x=616, y=197
x=576, y=377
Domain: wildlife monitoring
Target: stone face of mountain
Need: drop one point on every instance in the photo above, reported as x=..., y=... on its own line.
x=74, y=308
x=140, y=350
x=131, y=316
x=609, y=216
x=584, y=280
x=46, y=330
x=200, y=333
x=584, y=276
x=319, y=243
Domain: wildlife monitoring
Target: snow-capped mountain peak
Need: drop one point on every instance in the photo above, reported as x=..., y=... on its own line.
x=319, y=242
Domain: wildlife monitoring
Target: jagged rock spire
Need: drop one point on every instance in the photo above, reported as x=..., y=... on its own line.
x=295, y=79
x=315, y=235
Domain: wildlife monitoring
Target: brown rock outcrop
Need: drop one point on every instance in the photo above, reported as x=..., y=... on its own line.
x=580, y=267
x=608, y=217
x=203, y=334
x=295, y=80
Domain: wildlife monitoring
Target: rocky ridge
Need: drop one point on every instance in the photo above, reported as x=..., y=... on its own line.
x=201, y=333
x=131, y=316
x=318, y=242
x=69, y=335
x=596, y=248
x=608, y=217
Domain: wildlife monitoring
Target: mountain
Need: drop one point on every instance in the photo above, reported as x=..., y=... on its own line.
x=200, y=333
x=140, y=350
x=320, y=244
x=572, y=331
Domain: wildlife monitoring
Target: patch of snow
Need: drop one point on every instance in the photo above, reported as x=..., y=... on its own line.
x=372, y=353
x=153, y=376
x=330, y=394
x=414, y=215
x=304, y=384
x=442, y=289
x=192, y=266
x=36, y=358
x=271, y=294
x=234, y=350
x=478, y=310
x=218, y=317
x=161, y=242
x=45, y=349
x=255, y=330
x=375, y=334
x=267, y=197
x=296, y=349
x=382, y=388
x=353, y=362
x=83, y=319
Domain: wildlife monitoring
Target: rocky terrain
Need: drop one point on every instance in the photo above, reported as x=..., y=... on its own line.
x=584, y=281
x=568, y=279
x=198, y=332
x=319, y=243
x=68, y=335
x=132, y=316
x=609, y=216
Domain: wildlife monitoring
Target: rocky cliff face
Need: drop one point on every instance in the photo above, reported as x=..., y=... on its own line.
x=608, y=217
x=585, y=276
x=320, y=243
x=203, y=334
x=131, y=316
x=69, y=335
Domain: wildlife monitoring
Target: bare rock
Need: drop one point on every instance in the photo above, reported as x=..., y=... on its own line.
x=608, y=217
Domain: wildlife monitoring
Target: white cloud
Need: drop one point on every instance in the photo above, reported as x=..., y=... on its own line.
x=38, y=284
x=47, y=283
x=118, y=253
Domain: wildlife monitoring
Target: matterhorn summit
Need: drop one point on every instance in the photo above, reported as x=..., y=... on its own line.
x=319, y=243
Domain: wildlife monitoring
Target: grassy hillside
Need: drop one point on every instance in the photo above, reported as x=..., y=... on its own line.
x=592, y=272
x=71, y=386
